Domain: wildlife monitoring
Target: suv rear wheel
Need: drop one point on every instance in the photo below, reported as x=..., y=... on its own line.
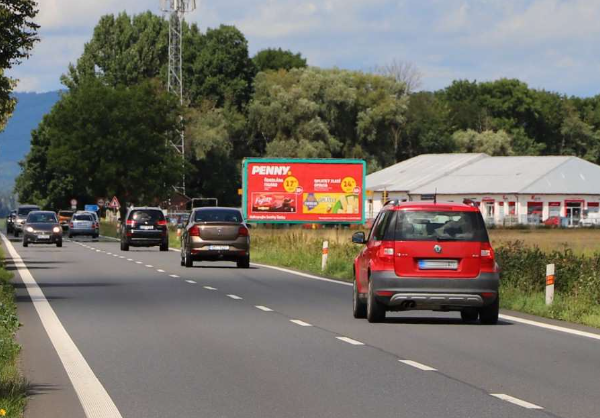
x=375, y=310
x=164, y=246
x=469, y=314
x=359, y=308
x=488, y=315
x=124, y=246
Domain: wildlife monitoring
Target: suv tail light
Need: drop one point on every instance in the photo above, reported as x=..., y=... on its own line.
x=488, y=262
x=195, y=231
x=130, y=222
x=243, y=231
x=385, y=253
x=162, y=223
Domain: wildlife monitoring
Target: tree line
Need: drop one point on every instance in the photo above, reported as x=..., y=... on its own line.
x=109, y=133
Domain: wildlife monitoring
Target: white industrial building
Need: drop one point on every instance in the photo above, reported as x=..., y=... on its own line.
x=508, y=190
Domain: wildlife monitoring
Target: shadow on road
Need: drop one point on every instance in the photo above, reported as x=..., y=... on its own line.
x=67, y=285
x=433, y=321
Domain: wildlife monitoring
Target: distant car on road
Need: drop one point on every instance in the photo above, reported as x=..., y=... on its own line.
x=42, y=227
x=10, y=222
x=83, y=223
x=144, y=227
x=64, y=217
x=215, y=234
x=426, y=256
x=22, y=212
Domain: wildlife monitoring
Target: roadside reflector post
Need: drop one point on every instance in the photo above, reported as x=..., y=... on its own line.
x=550, y=278
x=325, y=254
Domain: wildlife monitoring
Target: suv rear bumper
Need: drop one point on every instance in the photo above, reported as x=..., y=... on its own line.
x=435, y=293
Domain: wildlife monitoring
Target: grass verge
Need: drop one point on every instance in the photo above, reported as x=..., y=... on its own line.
x=13, y=388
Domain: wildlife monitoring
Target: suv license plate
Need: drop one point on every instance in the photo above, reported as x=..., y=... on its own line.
x=146, y=227
x=218, y=247
x=438, y=264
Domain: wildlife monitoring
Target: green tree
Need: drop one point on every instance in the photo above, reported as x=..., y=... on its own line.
x=278, y=59
x=102, y=141
x=18, y=34
x=488, y=142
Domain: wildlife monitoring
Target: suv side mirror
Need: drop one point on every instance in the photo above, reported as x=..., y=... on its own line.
x=359, y=238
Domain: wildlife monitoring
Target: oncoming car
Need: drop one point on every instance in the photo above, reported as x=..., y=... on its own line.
x=42, y=227
x=21, y=216
x=426, y=256
x=215, y=234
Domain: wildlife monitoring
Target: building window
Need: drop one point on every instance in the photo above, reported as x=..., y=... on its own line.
x=534, y=212
x=553, y=209
x=593, y=207
x=512, y=208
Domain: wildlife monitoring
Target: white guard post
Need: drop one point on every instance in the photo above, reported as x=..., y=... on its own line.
x=325, y=254
x=550, y=277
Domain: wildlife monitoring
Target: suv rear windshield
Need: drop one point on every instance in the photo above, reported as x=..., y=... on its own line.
x=25, y=211
x=42, y=217
x=147, y=215
x=82, y=218
x=218, y=215
x=440, y=226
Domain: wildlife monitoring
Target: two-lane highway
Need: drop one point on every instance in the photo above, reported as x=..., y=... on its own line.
x=217, y=341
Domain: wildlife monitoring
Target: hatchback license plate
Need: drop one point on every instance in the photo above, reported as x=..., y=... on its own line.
x=146, y=227
x=43, y=236
x=218, y=247
x=438, y=264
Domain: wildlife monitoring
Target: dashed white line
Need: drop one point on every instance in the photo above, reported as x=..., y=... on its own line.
x=160, y=270
x=174, y=276
x=264, y=308
x=301, y=323
x=138, y=262
x=516, y=401
x=234, y=297
x=150, y=266
x=121, y=256
x=210, y=288
x=109, y=253
x=190, y=282
x=349, y=341
x=418, y=365
x=130, y=259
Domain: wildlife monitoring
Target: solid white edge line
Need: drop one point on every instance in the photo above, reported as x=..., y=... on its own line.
x=210, y=288
x=96, y=402
x=191, y=282
x=301, y=323
x=417, y=365
x=516, y=401
x=349, y=341
x=234, y=297
x=502, y=316
x=263, y=308
x=550, y=327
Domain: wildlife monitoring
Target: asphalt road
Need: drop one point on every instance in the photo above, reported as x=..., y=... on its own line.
x=217, y=341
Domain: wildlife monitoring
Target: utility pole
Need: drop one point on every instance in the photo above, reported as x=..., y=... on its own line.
x=176, y=10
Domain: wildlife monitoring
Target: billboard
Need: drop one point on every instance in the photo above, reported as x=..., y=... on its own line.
x=303, y=190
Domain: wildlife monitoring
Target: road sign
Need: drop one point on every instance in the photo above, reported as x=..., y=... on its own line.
x=73, y=202
x=114, y=203
x=100, y=202
x=92, y=208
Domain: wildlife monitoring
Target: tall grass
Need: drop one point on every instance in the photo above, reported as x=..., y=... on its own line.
x=13, y=388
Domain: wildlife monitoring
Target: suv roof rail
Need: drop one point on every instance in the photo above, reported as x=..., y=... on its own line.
x=394, y=202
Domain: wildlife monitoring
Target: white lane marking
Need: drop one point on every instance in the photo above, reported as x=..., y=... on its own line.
x=174, y=276
x=112, y=238
x=301, y=323
x=149, y=266
x=98, y=251
x=309, y=276
x=502, y=316
x=114, y=255
x=109, y=253
x=264, y=308
x=94, y=399
x=210, y=288
x=516, y=401
x=234, y=297
x=160, y=270
x=138, y=262
x=130, y=259
x=349, y=340
x=419, y=366
x=190, y=281
x=551, y=327
x=121, y=256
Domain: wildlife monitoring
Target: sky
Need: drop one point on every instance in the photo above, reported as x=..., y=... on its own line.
x=549, y=44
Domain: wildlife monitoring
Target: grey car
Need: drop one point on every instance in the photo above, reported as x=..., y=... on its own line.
x=22, y=212
x=215, y=234
x=83, y=224
x=42, y=227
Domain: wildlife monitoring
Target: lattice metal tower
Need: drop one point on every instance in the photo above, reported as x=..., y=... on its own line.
x=176, y=10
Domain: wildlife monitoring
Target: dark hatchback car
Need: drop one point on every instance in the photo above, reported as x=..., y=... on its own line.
x=426, y=256
x=10, y=222
x=42, y=227
x=144, y=227
x=215, y=234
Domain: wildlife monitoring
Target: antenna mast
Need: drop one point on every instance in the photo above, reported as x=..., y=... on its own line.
x=176, y=10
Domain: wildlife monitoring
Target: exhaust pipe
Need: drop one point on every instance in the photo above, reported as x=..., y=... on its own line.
x=408, y=304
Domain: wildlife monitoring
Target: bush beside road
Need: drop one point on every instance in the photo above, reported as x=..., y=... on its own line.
x=13, y=388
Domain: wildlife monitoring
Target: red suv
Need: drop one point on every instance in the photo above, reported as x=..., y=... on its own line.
x=426, y=256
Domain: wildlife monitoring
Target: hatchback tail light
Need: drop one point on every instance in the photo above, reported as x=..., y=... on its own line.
x=488, y=262
x=195, y=231
x=162, y=223
x=243, y=231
